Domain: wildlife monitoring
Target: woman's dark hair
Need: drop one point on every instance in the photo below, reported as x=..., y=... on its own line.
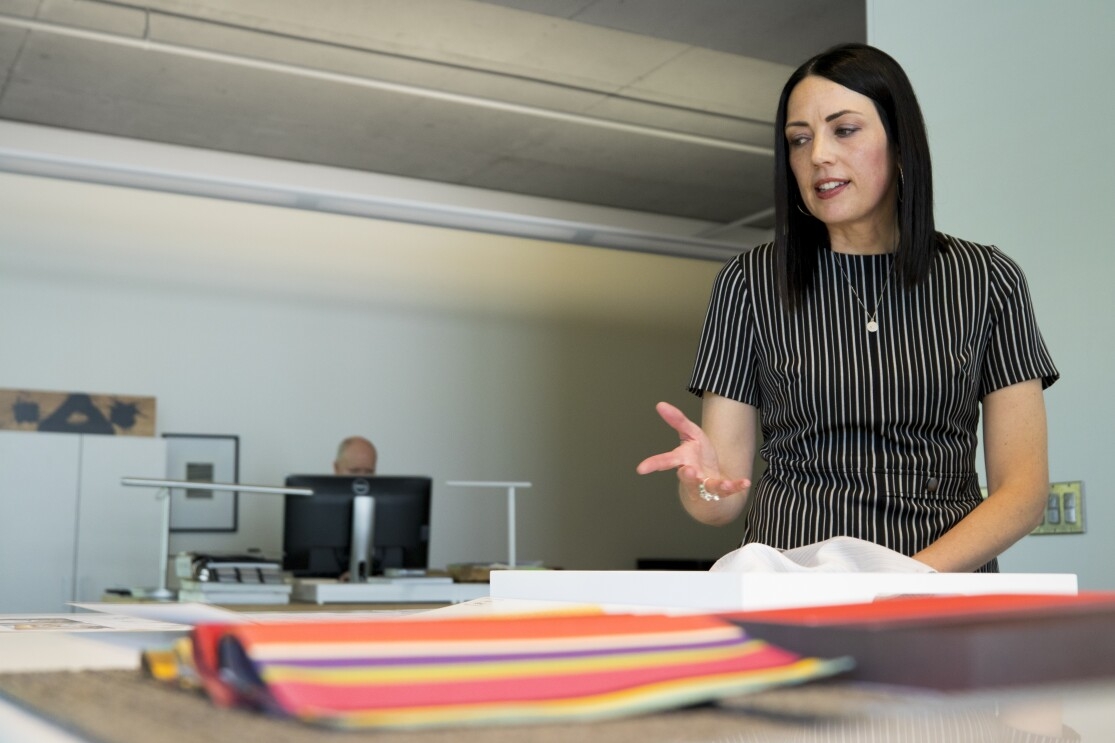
x=800, y=236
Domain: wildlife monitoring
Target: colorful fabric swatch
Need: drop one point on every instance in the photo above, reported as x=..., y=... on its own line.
x=495, y=670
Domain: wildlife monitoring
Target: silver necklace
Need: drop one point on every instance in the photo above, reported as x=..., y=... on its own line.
x=872, y=325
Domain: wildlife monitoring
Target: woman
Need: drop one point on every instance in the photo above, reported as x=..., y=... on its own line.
x=865, y=341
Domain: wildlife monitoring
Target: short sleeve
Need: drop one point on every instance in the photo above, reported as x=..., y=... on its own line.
x=1016, y=350
x=726, y=358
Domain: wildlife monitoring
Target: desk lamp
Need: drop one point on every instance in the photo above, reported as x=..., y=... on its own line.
x=511, y=486
x=163, y=494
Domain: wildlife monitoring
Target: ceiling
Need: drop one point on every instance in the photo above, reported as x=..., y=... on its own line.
x=662, y=107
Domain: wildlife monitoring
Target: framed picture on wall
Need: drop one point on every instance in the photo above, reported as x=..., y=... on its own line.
x=198, y=457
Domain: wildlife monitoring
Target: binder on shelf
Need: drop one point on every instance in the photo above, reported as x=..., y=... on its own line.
x=232, y=569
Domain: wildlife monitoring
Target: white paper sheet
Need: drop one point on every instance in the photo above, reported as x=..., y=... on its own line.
x=835, y=555
x=58, y=651
x=188, y=614
x=96, y=623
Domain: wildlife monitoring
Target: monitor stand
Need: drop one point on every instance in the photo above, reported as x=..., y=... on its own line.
x=363, y=587
x=361, y=548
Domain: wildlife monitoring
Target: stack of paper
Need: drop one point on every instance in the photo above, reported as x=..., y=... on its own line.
x=435, y=673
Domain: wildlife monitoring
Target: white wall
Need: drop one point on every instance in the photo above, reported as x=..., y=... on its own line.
x=471, y=356
x=1016, y=98
x=463, y=356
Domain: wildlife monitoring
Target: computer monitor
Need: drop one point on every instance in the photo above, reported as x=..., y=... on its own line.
x=386, y=518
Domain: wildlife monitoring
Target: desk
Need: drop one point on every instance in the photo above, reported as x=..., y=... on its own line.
x=122, y=707
x=335, y=596
x=300, y=606
x=106, y=699
x=295, y=607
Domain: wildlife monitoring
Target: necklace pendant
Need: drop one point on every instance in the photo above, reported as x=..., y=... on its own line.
x=872, y=326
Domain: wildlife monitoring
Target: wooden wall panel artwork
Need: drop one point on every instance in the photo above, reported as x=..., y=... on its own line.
x=77, y=412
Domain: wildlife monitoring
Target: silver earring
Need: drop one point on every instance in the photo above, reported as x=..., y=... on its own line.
x=804, y=211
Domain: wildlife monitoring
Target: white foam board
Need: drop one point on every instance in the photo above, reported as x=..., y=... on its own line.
x=725, y=591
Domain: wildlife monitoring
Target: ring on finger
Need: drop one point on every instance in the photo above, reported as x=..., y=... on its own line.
x=705, y=494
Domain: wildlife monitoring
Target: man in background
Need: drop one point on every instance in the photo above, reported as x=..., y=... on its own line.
x=355, y=456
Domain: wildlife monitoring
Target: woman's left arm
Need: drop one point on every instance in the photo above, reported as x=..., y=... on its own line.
x=1017, y=462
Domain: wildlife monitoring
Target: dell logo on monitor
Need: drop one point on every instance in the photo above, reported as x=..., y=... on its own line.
x=360, y=487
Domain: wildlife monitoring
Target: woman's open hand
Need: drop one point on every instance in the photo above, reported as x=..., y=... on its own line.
x=694, y=458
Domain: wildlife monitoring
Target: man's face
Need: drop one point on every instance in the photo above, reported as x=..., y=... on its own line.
x=358, y=458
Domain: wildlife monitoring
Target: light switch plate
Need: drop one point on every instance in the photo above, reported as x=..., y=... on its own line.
x=1064, y=512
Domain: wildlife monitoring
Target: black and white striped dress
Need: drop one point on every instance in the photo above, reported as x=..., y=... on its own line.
x=870, y=435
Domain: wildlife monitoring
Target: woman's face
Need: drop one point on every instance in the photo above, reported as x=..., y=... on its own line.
x=842, y=163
